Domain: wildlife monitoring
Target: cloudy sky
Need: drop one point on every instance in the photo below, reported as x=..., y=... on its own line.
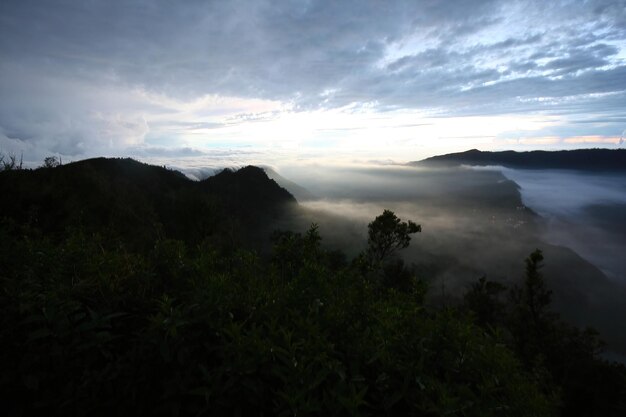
x=298, y=79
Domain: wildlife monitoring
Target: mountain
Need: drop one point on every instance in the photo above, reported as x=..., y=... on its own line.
x=140, y=202
x=301, y=193
x=579, y=159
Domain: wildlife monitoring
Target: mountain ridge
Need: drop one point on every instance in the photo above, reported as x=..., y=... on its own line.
x=140, y=201
x=596, y=159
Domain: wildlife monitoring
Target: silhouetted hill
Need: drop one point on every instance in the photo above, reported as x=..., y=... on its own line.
x=580, y=159
x=249, y=182
x=140, y=202
x=247, y=193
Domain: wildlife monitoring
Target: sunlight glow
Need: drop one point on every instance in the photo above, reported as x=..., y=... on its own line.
x=354, y=131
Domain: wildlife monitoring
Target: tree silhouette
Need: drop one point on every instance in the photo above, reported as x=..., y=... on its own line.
x=51, y=162
x=531, y=321
x=387, y=234
x=9, y=162
x=534, y=298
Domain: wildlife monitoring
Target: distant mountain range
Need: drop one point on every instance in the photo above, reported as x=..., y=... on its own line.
x=580, y=159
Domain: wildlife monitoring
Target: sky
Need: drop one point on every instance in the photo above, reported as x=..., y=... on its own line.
x=278, y=81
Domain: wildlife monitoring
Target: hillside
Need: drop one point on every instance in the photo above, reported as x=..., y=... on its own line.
x=301, y=193
x=140, y=201
x=579, y=159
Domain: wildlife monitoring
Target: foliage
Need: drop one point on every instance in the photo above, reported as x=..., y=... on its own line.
x=386, y=234
x=91, y=328
x=484, y=300
x=566, y=358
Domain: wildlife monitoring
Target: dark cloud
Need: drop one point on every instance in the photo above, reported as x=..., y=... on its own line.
x=578, y=59
x=514, y=42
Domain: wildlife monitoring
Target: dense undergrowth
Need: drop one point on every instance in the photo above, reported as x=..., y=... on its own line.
x=92, y=325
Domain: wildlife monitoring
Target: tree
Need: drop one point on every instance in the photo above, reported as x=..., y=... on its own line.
x=534, y=298
x=387, y=234
x=567, y=356
x=9, y=162
x=484, y=299
x=531, y=321
x=292, y=250
x=51, y=162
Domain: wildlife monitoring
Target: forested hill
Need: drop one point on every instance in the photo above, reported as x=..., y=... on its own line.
x=138, y=201
x=580, y=159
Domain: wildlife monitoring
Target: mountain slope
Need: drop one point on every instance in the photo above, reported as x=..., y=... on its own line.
x=140, y=202
x=301, y=193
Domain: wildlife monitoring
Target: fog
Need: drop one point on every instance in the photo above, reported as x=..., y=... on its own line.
x=478, y=222
x=485, y=222
x=568, y=193
x=585, y=212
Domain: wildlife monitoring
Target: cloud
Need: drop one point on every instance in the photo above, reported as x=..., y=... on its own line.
x=167, y=152
x=591, y=139
x=77, y=77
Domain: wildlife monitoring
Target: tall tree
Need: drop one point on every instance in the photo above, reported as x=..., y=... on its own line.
x=387, y=234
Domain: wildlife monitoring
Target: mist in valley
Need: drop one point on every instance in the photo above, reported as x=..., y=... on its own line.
x=483, y=222
x=583, y=211
x=477, y=222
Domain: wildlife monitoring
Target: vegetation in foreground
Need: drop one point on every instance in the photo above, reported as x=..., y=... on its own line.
x=94, y=325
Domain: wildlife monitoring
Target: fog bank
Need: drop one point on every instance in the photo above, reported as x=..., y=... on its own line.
x=583, y=211
x=479, y=222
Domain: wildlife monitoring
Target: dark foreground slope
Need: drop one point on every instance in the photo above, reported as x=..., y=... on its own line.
x=141, y=202
x=580, y=159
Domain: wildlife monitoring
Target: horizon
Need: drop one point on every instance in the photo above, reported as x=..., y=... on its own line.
x=198, y=168
x=287, y=83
